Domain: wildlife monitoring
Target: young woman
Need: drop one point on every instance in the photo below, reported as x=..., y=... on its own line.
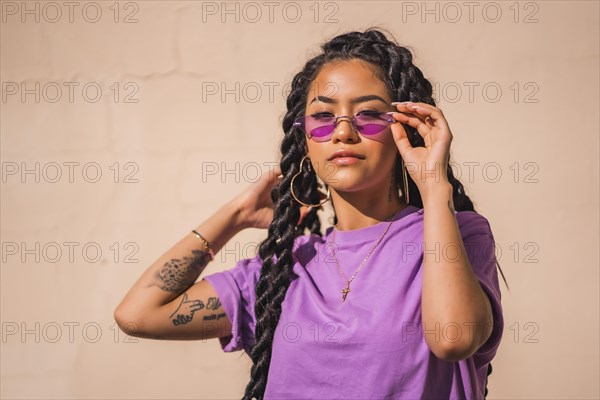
x=398, y=299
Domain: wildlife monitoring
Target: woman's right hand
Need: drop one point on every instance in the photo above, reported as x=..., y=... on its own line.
x=255, y=203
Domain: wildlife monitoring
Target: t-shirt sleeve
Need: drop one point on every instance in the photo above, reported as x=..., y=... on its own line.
x=480, y=247
x=235, y=288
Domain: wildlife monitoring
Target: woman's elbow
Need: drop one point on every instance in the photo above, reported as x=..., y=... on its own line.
x=128, y=322
x=453, y=352
x=460, y=348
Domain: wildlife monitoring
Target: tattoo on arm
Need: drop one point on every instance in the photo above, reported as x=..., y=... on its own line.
x=213, y=303
x=186, y=309
x=177, y=275
x=214, y=316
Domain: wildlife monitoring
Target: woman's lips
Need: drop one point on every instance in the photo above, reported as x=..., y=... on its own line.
x=345, y=157
x=345, y=160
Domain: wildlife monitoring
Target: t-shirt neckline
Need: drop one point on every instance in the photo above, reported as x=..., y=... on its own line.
x=370, y=232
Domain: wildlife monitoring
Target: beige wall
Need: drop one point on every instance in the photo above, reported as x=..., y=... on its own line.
x=154, y=139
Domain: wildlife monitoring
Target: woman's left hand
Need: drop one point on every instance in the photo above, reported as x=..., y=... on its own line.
x=427, y=165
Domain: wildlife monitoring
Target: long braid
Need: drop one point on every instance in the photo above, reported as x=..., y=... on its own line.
x=275, y=276
x=393, y=65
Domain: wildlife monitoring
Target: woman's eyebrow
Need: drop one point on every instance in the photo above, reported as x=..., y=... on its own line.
x=355, y=100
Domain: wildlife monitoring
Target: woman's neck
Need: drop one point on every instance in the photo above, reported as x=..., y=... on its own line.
x=353, y=216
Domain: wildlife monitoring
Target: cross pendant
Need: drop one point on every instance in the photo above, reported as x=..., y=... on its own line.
x=345, y=292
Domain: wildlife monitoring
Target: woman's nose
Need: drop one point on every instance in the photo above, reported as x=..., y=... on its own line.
x=344, y=129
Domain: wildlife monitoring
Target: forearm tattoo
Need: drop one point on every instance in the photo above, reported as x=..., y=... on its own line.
x=177, y=275
x=186, y=309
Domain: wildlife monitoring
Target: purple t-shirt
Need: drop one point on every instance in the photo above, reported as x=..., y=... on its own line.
x=372, y=346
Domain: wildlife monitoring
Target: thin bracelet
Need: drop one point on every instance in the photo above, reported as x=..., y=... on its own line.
x=210, y=251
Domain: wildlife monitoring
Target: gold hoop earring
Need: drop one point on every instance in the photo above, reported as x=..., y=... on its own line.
x=406, y=196
x=292, y=189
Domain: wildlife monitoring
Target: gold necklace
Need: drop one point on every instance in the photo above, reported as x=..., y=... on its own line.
x=346, y=290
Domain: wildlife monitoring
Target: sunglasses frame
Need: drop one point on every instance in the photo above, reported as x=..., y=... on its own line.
x=385, y=116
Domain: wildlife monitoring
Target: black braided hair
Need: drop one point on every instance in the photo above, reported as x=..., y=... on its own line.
x=393, y=65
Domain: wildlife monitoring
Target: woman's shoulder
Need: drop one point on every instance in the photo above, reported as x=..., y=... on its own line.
x=469, y=222
x=254, y=262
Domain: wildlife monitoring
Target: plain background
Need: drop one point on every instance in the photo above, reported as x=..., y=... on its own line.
x=172, y=106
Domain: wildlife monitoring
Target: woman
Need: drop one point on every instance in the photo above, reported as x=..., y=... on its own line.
x=422, y=319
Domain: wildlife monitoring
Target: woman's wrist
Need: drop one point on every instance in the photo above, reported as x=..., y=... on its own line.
x=439, y=192
x=238, y=214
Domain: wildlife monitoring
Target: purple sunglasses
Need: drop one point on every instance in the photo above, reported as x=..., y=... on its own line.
x=320, y=126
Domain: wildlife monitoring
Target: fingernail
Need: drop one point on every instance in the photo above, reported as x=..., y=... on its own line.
x=401, y=102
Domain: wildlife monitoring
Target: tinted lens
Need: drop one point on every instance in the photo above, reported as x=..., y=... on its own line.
x=371, y=123
x=320, y=127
